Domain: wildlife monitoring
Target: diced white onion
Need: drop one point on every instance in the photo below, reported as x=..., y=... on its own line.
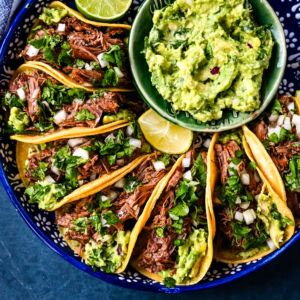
x=120, y=162
x=55, y=170
x=88, y=67
x=272, y=130
x=112, y=195
x=93, y=176
x=79, y=101
x=135, y=143
x=256, y=177
x=248, y=216
x=298, y=131
x=119, y=184
x=104, y=222
x=295, y=120
x=81, y=182
x=207, y=143
x=256, y=197
x=186, y=162
x=291, y=107
x=81, y=153
x=273, y=117
x=87, y=84
x=21, y=93
x=188, y=175
x=60, y=116
x=129, y=131
x=253, y=213
x=32, y=51
x=110, y=137
x=103, y=63
x=287, y=123
x=118, y=72
x=158, y=165
x=239, y=216
x=280, y=120
x=104, y=198
x=49, y=179
x=61, y=27
x=75, y=142
x=245, y=178
x=271, y=244
x=238, y=200
x=245, y=205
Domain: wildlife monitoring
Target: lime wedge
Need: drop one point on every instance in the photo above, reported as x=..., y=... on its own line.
x=103, y=10
x=164, y=135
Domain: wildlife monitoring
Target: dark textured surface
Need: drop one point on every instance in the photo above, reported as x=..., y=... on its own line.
x=30, y=270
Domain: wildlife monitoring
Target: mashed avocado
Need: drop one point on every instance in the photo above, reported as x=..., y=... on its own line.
x=18, y=119
x=53, y=15
x=45, y=194
x=236, y=136
x=207, y=56
x=123, y=114
x=189, y=257
x=272, y=225
x=109, y=253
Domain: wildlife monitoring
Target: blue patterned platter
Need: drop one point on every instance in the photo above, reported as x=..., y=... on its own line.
x=42, y=222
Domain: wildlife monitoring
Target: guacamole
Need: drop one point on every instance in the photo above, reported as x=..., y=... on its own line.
x=189, y=257
x=53, y=15
x=206, y=56
x=109, y=253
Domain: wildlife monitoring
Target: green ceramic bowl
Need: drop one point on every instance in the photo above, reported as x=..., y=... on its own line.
x=263, y=13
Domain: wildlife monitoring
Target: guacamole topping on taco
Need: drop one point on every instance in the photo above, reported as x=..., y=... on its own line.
x=249, y=221
x=57, y=168
x=279, y=132
x=100, y=227
x=90, y=55
x=174, y=246
x=206, y=56
x=37, y=103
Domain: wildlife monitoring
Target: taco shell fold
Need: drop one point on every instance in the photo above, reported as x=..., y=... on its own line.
x=202, y=265
x=60, y=75
x=227, y=256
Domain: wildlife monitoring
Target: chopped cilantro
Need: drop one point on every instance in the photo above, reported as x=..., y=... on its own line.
x=169, y=282
x=81, y=225
x=160, y=231
x=253, y=165
x=130, y=184
x=111, y=218
x=84, y=115
x=40, y=172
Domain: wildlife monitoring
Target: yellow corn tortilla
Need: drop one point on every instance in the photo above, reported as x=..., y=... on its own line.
x=202, y=265
x=227, y=256
x=137, y=227
x=265, y=162
x=85, y=190
x=60, y=75
x=61, y=133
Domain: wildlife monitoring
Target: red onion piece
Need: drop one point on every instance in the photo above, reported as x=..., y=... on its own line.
x=215, y=71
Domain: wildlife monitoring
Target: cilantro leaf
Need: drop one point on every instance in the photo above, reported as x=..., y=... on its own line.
x=110, y=78
x=131, y=184
x=111, y=218
x=169, y=282
x=84, y=115
x=40, y=172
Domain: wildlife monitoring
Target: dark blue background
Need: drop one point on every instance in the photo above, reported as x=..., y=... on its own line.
x=31, y=270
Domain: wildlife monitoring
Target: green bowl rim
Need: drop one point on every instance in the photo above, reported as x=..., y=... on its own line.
x=143, y=94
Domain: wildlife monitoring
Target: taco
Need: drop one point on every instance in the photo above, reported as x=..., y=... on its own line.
x=64, y=170
x=80, y=51
x=252, y=220
x=175, y=246
x=103, y=227
x=275, y=144
x=40, y=108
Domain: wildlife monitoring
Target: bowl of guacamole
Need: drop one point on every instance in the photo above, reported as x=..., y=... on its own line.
x=207, y=65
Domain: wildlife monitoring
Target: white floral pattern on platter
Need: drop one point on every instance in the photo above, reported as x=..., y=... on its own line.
x=289, y=15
